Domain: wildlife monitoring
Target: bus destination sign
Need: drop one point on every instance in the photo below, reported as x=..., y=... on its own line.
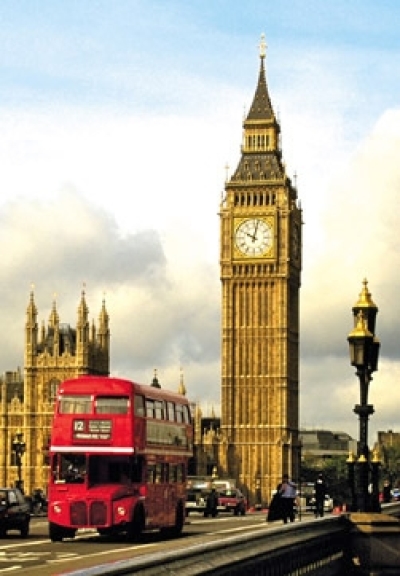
x=92, y=429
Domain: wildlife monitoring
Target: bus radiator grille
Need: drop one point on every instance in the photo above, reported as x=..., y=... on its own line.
x=98, y=513
x=78, y=514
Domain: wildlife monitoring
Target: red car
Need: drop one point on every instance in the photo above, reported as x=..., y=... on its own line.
x=232, y=500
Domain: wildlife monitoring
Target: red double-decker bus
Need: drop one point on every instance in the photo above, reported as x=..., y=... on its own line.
x=118, y=458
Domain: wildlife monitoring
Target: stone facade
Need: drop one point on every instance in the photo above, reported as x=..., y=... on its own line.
x=52, y=354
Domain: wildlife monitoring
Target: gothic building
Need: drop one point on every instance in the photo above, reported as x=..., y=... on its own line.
x=53, y=353
x=260, y=267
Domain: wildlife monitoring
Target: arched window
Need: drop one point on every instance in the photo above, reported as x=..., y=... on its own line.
x=51, y=391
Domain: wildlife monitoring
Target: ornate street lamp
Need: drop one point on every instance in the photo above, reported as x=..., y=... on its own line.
x=364, y=352
x=19, y=447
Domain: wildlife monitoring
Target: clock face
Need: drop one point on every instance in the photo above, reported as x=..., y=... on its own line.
x=254, y=237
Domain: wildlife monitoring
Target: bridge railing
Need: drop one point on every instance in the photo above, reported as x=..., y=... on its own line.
x=313, y=547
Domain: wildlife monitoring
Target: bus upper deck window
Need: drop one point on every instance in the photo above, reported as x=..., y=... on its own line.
x=186, y=415
x=179, y=413
x=111, y=405
x=150, y=411
x=139, y=405
x=75, y=404
x=171, y=411
x=159, y=409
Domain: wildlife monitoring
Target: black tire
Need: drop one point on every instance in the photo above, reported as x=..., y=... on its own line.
x=25, y=529
x=179, y=519
x=56, y=533
x=136, y=527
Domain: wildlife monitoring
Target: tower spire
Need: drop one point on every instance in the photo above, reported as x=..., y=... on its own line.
x=261, y=150
x=261, y=108
x=54, y=318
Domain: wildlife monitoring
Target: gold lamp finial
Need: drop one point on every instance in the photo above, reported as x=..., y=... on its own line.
x=365, y=298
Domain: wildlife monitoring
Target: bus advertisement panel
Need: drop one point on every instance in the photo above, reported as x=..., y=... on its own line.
x=118, y=458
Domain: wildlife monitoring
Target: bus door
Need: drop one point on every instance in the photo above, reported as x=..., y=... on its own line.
x=169, y=493
x=155, y=495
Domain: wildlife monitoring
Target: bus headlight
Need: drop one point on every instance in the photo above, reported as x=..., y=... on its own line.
x=121, y=511
x=57, y=508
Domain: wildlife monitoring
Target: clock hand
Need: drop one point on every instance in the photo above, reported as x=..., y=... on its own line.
x=252, y=236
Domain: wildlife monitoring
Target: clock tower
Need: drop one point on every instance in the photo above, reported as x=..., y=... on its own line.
x=260, y=266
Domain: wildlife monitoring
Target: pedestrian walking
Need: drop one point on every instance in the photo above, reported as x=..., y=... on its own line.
x=387, y=492
x=320, y=491
x=275, y=508
x=288, y=493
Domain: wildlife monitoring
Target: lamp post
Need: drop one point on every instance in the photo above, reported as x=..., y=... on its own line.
x=364, y=352
x=19, y=448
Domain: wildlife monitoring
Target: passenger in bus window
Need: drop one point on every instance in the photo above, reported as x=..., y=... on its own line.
x=74, y=474
x=124, y=478
x=75, y=469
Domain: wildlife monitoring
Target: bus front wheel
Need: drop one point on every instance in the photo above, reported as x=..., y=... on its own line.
x=179, y=520
x=57, y=533
x=136, y=526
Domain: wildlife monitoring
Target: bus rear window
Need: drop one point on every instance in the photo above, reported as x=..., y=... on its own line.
x=75, y=404
x=111, y=405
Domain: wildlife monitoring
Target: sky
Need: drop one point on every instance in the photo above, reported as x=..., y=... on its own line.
x=118, y=121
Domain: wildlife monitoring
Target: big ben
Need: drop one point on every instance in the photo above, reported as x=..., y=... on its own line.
x=260, y=266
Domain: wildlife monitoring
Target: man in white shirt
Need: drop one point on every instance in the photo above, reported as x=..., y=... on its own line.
x=288, y=492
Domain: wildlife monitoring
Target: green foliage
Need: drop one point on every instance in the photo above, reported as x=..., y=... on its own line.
x=390, y=457
x=334, y=470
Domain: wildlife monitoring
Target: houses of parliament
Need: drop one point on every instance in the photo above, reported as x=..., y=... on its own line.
x=256, y=438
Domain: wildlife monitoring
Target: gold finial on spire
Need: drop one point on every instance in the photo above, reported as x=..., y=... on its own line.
x=263, y=47
x=182, y=387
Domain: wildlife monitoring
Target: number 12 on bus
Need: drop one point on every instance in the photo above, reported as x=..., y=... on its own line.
x=119, y=456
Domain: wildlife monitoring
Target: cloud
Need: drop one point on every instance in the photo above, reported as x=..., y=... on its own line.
x=360, y=229
x=113, y=156
x=59, y=246
x=161, y=316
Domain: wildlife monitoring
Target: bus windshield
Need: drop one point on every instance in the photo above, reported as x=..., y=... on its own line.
x=70, y=468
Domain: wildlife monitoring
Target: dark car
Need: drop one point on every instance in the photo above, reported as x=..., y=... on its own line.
x=232, y=500
x=14, y=512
